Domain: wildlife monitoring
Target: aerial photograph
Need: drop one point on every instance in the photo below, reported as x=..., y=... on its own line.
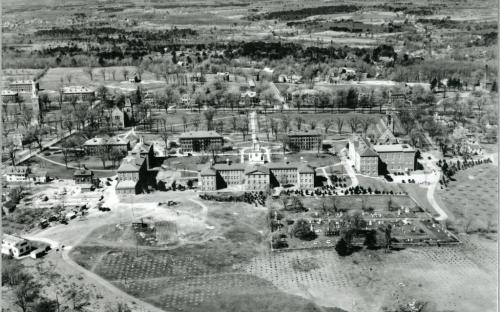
x=249, y=155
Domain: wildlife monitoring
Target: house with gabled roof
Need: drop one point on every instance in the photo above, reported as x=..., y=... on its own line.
x=136, y=173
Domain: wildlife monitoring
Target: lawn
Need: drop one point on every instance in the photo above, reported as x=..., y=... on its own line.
x=379, y=184
x=52, y=79
x=60, y=172
x=472, y=200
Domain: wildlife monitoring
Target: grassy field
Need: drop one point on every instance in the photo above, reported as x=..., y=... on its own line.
x=59, y=171
x=472, y=200
x=379, y=184
x=52, y=79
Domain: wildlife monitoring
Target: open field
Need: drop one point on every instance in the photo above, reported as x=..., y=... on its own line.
x=59, y=171
x=472, y=200
x=235, y=267
x=194, y=277
x=52, y=79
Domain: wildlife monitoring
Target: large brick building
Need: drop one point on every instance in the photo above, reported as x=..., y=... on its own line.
x=381, y=158
x=95, y=145
x=198, y=141
x=79, y=92
x=24, y=86
x=396, y=157
x=257, y=177
x=366, y=160
x=304, y=140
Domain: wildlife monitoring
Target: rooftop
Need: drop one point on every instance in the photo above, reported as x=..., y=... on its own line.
x=126, y=184
x=199, y=134
x=102, y=141
x=131, y=163
x=21, y=82
x=231, y=166
x=9, y=92
x=16, y=170
x=83, y=172
x=208, y=172
x=303, y=133
x=257, y=169
x=387, y=148
x=12, y=238
x=76, y=89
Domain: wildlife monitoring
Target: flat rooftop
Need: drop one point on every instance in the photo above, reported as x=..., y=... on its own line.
x=388, y=148
x=199, y=134
x=77, y=89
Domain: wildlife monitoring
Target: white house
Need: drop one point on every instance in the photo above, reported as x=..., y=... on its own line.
x=16, y=174
x=14, y=245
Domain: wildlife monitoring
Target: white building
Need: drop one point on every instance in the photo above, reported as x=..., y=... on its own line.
x=14, y=245
x=16, y=174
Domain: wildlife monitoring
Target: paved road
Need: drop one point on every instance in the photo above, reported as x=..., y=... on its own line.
x=434, y=182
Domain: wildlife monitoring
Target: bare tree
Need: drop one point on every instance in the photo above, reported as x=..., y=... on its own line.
x=209, y=117
x=165, y=136
x=366, y=122
x=113, y=73
x=298, y=121
x=102, y=71
x=312, y=124
x=339, y=122
x=125, y=73
x=103, y=152
x=327, y=123
x=285, y=123
x=196, y=122
x=353, y=121
x=11, y=148
x=184, y=122
x=69, y=77
x=89, y=71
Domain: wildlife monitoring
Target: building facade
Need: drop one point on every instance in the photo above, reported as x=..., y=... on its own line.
x=24, y=86
x=15, y=246
x=199, y=141
x=257, y=177
x=79, y=92
x=304, y=140
x=9, y=96
x=378, y=159
x=135, y=173
x=95, y=145
x=117, y=118
x=16, y=173
x=397, y=157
